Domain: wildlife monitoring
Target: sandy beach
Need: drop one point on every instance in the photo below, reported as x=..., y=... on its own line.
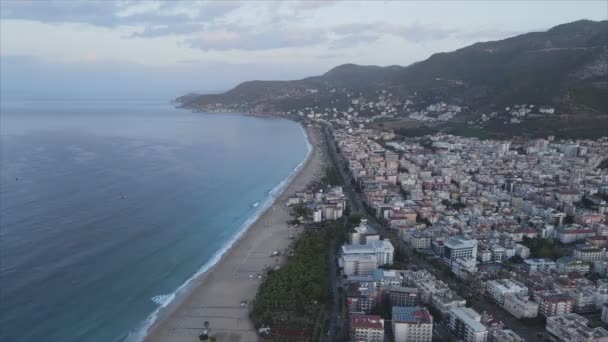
x=216, y=296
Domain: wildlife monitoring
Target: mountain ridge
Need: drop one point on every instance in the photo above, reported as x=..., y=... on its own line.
x=565, y=67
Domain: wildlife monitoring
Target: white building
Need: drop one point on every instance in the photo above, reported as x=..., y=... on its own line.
x=412, y=324
x=497, y=289
x=522, y=251
x=533, y=265
x=506, y=335
x=383, y=250
x=459, y=247
x=363, y=234
x=359, y=259
x=604, y=316
x=317, y=215
x=462, y=267
x=465, y=323
x=358, y=264
x=588, y=253
x=574, y=328
x=520, y=306
x=366, y=328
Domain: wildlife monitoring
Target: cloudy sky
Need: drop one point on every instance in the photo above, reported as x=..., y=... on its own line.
x=54, y=47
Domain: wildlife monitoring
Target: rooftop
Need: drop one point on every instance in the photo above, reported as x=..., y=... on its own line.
x=577, y=324
x=366, y=321
x=370, y=247
x=460, y=242
x=415, y=314
x=470, y=317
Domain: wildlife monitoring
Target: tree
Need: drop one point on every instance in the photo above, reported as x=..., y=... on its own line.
x=354, y=219
x=516, y=259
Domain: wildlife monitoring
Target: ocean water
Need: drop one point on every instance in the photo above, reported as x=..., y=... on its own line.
x=108, y=207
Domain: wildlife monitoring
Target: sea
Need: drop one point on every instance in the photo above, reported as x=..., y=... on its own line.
x=108, y=207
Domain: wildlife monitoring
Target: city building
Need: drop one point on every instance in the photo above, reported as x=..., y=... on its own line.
x=366, y=328
x=507, y=335
x=533, y=265
x=553, y=303
x=588, y=253
x=568, y=264
x=520, y=306
x=570, y=234
x=382, y=250
x=358, y=264
x=497, y=289
x=412, y=324
x=403, y=296
x=465, y=323
x=574, y=328
x=604, y=316
x=462, y=267
x=420, y=241
x=459, y=247
x=363, y=234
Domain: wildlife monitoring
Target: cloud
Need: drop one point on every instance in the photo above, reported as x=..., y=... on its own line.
x=53, y=11
x=247, y=40
x=156, y=17
x=166, y=30
x=420, y=32
x=330, y=55
x=487, y=34
x=415, y=33
x=309, y=5
x=336, y=37
x=354, y=40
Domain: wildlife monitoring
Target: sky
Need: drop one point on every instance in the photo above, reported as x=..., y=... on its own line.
x=74, y=48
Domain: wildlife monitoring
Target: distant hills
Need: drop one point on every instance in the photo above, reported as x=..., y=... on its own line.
x=565, y=67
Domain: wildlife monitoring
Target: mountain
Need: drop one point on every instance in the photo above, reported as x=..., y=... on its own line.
x=565, y=67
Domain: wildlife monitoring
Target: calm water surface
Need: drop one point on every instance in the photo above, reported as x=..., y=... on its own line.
x=107, y=207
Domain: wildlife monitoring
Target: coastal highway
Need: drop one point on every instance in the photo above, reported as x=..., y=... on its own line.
x=335, y=325
x=355, y=203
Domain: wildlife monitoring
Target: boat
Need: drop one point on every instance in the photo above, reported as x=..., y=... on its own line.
x=255, y=204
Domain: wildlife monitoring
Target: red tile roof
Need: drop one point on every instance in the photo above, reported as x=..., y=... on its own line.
x=366, y=321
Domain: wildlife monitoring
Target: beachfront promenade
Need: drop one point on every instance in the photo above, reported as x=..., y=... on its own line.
x=223, y=295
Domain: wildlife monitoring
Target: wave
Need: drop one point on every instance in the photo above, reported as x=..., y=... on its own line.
x=140, y=333
x=163, y=299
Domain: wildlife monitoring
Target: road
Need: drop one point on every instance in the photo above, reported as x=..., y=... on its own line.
x=335, y=324
x=478, y=301
x=335, y=299
x=355, y=203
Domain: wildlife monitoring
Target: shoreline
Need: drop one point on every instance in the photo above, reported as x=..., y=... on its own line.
x=216, y=294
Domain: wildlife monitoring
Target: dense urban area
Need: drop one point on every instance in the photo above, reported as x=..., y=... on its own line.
x=446, y=238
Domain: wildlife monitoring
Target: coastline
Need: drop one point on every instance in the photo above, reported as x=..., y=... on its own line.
x=215, y=295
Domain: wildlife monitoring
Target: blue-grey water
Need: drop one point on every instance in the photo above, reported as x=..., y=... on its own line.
x=107, y=207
